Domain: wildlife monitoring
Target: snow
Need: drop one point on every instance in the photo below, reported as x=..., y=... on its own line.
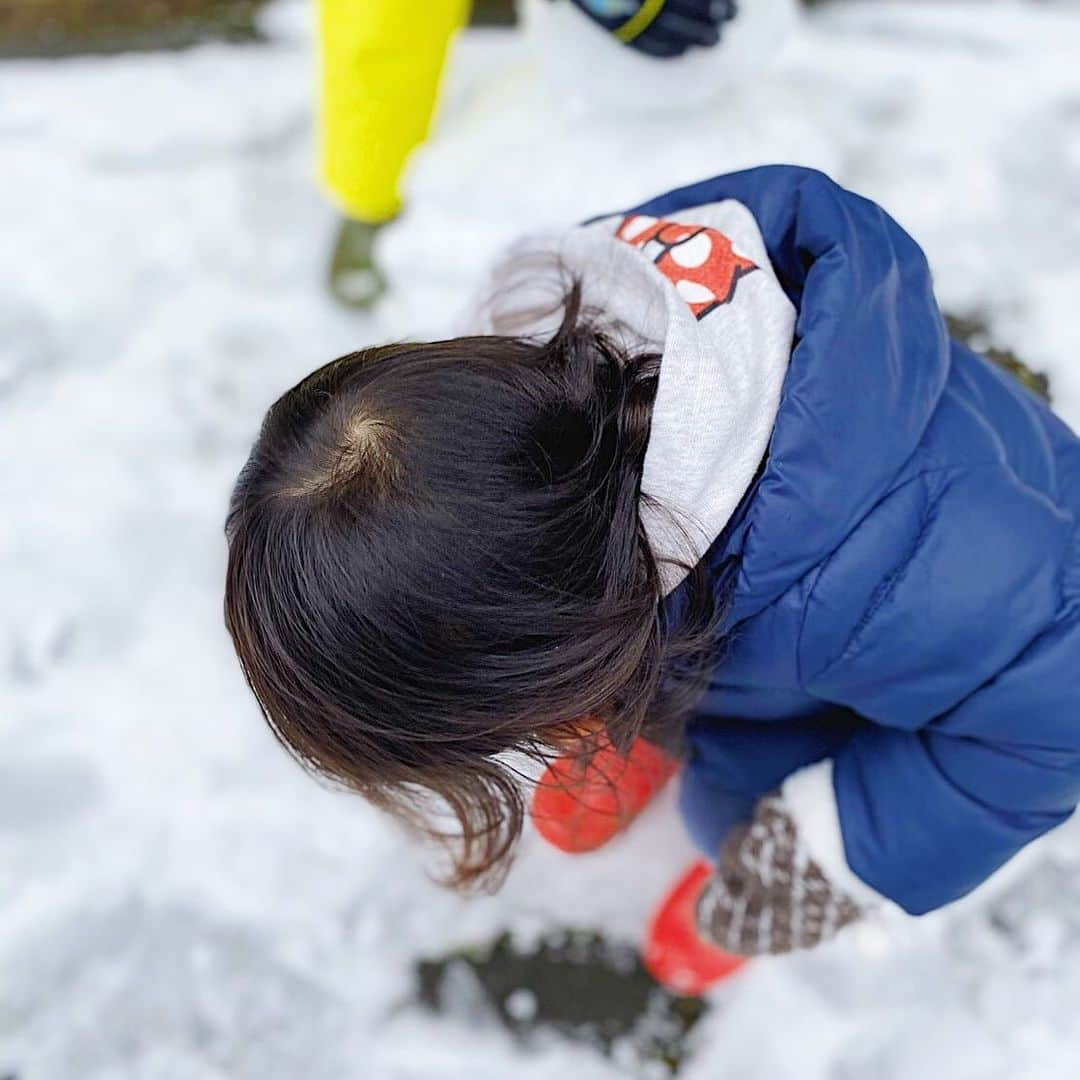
x=176, y=899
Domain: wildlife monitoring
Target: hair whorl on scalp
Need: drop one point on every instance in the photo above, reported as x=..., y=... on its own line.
x=436, y=559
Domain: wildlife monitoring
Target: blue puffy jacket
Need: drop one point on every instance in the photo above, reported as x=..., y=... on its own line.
x=907, y=592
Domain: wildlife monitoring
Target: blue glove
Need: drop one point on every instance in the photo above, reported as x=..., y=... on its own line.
x=661, y=28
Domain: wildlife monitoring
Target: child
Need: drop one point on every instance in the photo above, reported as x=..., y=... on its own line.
x=746, y=490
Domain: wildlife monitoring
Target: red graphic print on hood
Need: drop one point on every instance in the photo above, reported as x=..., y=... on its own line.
x=700, y=262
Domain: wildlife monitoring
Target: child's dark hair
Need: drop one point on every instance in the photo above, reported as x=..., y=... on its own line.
x=436, y=557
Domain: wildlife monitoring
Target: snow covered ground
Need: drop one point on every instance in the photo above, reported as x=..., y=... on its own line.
x=177, y=901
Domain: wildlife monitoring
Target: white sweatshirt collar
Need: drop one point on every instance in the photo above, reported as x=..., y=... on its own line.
x=698, y=287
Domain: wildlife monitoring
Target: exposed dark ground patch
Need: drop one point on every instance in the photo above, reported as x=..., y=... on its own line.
x=573, y=982
x=973, y=330
x=41, y=28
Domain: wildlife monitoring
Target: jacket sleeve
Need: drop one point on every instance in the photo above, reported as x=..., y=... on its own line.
x=732, y=763
x=953, y=625
x=381, y=63
x=948, y=618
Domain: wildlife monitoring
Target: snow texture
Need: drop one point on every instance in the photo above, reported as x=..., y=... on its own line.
x=177, y=900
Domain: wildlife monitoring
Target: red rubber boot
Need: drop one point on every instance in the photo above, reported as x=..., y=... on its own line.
x=675, y=955
x=581, y=803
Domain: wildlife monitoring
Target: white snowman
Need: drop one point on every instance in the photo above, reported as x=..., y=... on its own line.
x=590, y=70
x=561, y=121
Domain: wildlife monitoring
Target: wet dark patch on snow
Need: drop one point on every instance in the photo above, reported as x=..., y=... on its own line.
x=973, y=330
x=570, y=981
